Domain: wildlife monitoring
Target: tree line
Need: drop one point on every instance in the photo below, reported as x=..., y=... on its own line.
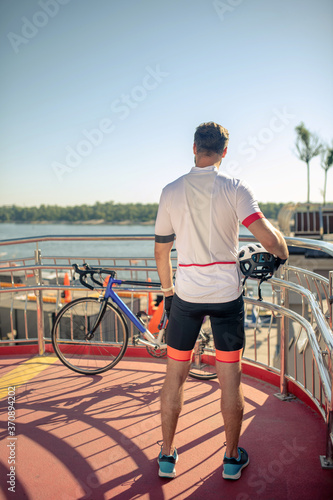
x=308, y=146
x=109, y=212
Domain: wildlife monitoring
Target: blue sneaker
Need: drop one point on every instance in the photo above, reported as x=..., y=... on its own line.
x=167, y=464
x=232, y=467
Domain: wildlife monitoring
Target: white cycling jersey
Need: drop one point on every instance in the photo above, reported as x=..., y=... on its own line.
x=202, y=209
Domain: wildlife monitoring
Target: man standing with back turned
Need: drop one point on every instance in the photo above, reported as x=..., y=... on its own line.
x=202, y=209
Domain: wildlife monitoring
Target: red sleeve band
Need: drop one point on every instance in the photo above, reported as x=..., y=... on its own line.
x=252, y=218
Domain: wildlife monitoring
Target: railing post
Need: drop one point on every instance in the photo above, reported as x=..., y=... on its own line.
x=39, y=303
x=321, y=223
x=284, y=342
x=330, y=293
x=283, y=358
x=327, y=460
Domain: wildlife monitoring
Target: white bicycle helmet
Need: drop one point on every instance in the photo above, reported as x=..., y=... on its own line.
x=256, y=262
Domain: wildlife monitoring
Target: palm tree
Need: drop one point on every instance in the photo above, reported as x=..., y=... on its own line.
x=308, y=146
x=326, y=163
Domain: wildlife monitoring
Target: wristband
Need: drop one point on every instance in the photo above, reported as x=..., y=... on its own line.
x=167, y=289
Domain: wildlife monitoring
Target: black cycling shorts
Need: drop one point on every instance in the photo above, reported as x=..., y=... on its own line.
x=227, y=322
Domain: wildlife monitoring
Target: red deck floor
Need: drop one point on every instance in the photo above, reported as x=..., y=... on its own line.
x=95, y=438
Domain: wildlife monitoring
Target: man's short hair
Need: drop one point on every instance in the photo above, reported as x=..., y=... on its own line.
x=211, y=138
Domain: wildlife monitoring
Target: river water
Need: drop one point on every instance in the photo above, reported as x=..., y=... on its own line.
x=78, y=248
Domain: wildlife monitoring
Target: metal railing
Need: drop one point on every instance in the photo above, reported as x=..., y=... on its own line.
x=317, y=284
x=298, y=347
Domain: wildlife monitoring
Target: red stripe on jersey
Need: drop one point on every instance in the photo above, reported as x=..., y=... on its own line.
x=204, y=265
x=252, y=218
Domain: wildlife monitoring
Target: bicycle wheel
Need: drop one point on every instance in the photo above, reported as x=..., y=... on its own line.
x=87, y=339
x=203, y=359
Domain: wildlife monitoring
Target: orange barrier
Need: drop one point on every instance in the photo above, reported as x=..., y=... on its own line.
x=130, y=294
x=156, y=318
x=67, y=293
x=151, y=306
x=9, y=285
x=50, y=300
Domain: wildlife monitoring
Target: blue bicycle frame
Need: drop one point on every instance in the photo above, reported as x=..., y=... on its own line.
x=150, y=341
x=110, y=293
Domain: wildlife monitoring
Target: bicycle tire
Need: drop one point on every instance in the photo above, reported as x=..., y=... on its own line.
x=203, y=359
x=109, y=336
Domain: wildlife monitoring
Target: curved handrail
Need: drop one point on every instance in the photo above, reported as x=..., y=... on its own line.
x=325, y=377
x=297, y=242
x=317, y=312
x=322, y=246
x=77, y=237
x=308, y=273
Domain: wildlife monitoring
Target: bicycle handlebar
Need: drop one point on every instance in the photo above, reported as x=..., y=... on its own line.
x=100, y=270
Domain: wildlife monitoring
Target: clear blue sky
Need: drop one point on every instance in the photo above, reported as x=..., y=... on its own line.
x=146, y=73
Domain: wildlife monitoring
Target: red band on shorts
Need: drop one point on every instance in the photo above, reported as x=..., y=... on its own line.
x=228, y=356
x=179, y=355
x=252, y=218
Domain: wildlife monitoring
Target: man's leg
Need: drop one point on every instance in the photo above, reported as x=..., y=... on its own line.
x=172, y=401
x=232, y=403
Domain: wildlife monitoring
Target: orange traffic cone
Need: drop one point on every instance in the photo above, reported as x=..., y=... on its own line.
x=106, y=281
x=67, y=293
x=155, y=320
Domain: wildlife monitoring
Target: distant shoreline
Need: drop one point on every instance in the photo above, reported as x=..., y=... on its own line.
x=93, y=222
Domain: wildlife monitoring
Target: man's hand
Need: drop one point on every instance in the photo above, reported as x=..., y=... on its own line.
x=167, y=304
x=270, y=238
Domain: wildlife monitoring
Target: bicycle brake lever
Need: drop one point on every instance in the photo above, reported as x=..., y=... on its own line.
x=95, y=281
x=84, y=283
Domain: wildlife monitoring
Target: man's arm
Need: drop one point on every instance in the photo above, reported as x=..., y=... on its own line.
x=269, y=237
x=164, y=266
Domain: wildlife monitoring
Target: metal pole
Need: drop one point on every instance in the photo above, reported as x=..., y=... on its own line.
x=285, y=303
x=321, y=223
x=330, y=293
x=284, y=342
x=283, y=380
x=39, y=303
x=327, y=460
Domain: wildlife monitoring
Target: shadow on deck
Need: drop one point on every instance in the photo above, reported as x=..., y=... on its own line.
x=94, y=438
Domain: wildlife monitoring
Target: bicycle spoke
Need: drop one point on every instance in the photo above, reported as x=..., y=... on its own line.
x=87, y=339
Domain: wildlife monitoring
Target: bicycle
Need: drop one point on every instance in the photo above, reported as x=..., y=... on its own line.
x=90, y=334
